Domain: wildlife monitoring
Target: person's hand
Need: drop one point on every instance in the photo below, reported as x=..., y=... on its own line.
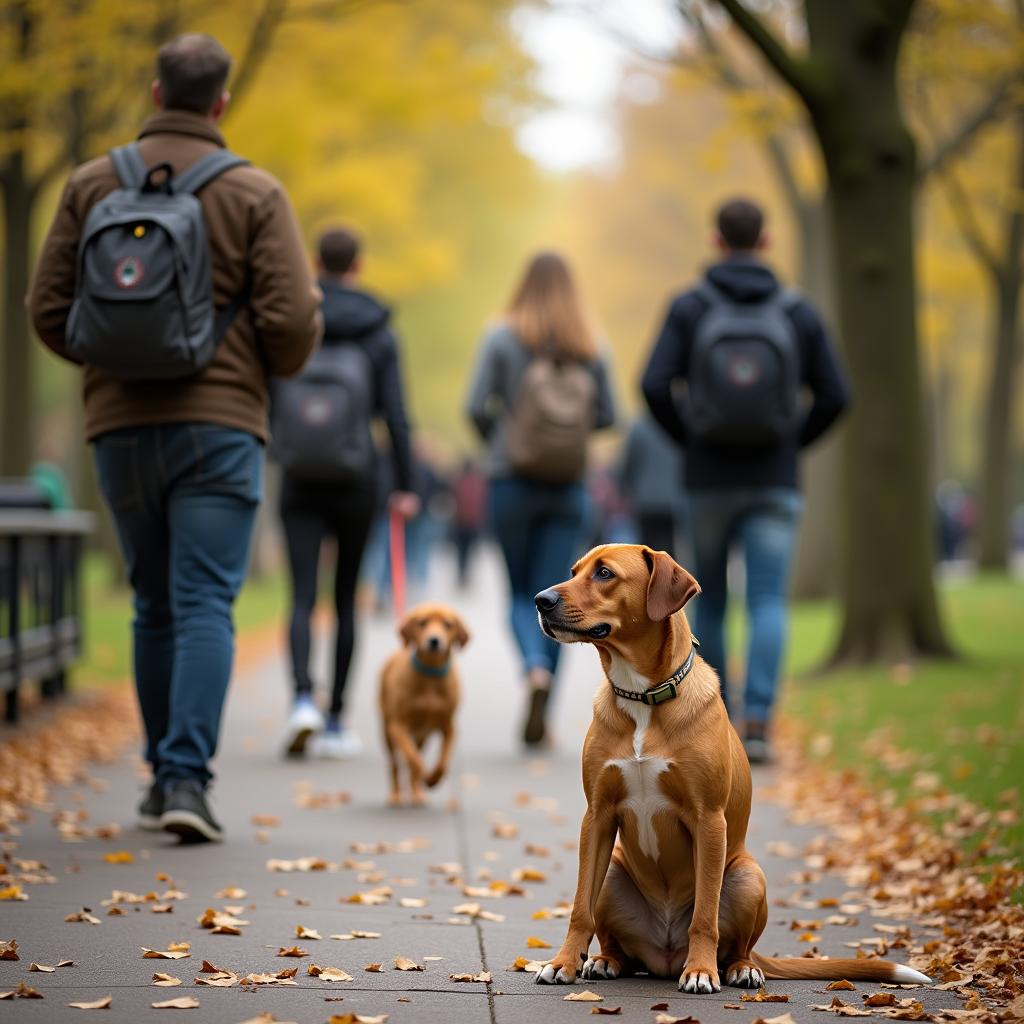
x=406, y=504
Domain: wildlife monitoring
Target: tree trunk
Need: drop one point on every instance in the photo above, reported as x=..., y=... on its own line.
x=816, y=567
x=1000, y=428
x=890, y=610
x=17, y=436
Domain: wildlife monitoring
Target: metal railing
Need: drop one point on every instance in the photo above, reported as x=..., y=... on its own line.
x=40, y=600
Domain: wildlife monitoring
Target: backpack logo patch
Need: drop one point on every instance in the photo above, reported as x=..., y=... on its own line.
x=316, y=410
x=129, y=272
x=743, y=371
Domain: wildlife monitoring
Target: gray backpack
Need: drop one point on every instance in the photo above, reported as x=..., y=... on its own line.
x=320, y=420
x=143, y=306
x=743, y=382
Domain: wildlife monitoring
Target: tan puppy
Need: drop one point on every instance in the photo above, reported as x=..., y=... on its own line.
x=419, y=692
x=665, y=880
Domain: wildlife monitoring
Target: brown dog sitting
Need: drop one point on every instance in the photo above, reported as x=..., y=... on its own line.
x=419, y=692
x=665, y=880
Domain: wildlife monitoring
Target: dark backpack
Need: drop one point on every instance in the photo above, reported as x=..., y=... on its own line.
x=320, y=420
x=744, y=373
x=555, y=410
x=143, y=306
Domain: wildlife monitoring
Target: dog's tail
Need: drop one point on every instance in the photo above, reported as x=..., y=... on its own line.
x=794, y=968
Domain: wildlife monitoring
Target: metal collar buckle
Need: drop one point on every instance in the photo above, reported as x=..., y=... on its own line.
x=667, y=690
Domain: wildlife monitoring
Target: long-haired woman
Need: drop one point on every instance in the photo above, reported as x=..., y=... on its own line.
x=540, y=388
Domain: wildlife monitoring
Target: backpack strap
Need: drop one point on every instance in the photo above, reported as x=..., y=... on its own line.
x=225, y=317
x=129, y=165
x=203, y=171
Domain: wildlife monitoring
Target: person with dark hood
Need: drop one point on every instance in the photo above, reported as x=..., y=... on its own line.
x=321, y=423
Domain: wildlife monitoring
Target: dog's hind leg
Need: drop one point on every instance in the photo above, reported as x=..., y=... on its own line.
x=742, y=915
x=439, y=772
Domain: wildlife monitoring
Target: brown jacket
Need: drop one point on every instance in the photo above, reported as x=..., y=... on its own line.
x=253, y=234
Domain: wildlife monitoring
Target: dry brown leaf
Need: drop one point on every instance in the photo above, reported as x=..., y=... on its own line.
x=412, y=902
x=119, y=857
x=357, y=1018
x=160, y=954
x=880, y=999
x=181, y=1003
x=12, y=892
x=532, y=942
x=83, y=916
x=99, y=1004
x=9, y=949
x=585, y=996
x=852, y=1011
x=667, y=1018
x=42, y=968
x=231, y=892
x=403, y=963
x=23, y=991
x=505, y=830
x=842, y=985
x=659, y=1006
x=374, y=968
x=179, y=947
x=328, y=973
x=165, y=980
x=783, y=1018
x=484, y=976
x=266, y=1018
x=606, y=1011
x=265, y=820
x=222, y=979
x=302, y=932
x=761, y=996
x=292, y=951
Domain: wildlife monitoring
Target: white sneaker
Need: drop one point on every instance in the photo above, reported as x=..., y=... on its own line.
x=337, y=745
x=304, y=721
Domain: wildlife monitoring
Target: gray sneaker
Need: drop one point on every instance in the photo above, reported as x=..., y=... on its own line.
x=151, y=808
x=187, y=815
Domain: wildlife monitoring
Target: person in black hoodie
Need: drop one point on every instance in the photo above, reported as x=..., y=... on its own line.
x=744, y=494
x=312, y=509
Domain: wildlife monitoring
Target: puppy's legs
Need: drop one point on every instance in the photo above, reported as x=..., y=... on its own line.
x=447, y=741
x=742, y=915
x=597, y=839
x=395, y=794
x=399, y=736
x=700, y=972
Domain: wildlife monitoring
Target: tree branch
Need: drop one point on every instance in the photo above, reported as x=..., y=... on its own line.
x=972, y=123
x=778, y=55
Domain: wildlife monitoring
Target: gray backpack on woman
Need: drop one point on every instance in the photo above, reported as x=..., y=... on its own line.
x=143, y=306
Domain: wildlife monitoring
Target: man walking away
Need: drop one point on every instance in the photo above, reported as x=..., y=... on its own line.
x=177, y=354
x=322, y=422
x=746, y=349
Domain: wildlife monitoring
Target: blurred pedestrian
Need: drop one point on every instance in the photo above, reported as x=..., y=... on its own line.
x=746, y=347
x=469, y=515
x=539, y=390
x=176, y=390
x=651, y=482
x=322, y=423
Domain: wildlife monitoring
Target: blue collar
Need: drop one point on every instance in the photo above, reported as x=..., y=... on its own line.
x=435, y=671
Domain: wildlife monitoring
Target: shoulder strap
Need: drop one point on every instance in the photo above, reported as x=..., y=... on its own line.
x=203, y=171
x=129, y=165
x=225, y=317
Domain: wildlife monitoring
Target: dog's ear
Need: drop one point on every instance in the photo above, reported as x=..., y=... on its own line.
x=670, y=585
x=407, y=629
x=461, y=632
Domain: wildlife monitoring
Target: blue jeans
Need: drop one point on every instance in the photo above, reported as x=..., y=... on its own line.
x=183, y=498
x=764, y=522
x=538, y=527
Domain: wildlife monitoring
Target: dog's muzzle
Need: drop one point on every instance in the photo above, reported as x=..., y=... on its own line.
x=547, y=602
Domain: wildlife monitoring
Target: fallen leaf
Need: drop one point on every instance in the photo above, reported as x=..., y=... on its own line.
x=222, y=979
x=65, y=963
x=165, y=980
x=659, y=1006
x=265, y=820
x=231, y=892
x=119, y=857
x=12, y=892
x=880, y=999
x=529, y=874
x=583, y=997
x=403, y=963
x=292, y=951
x=532, y=942
x=9, y=949
x=522, y=964
x=266, y=1018
x=411, y=902
x=357, y=1018
x=784, y=1018
x=42, y=968
x=761, y=996
x=302, y=932
x=83, y=916
x=842, y=985
x=505, y=830
x=179, y=947
x=99, y=1004
x=606, y=1011
x=667, y=1018
x=24, y=991
x=209, y=968
x=328, y=973
x=181, y=1003
x=484, y=976
x=852, y=1011
x=169, y=954
x=374, y=968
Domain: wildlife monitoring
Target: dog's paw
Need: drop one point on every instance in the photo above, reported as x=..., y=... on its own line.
x=599, y=968
x=560, y=971
x=395, y=800
x=743, y=974
x=434, y=777
x=698, y=980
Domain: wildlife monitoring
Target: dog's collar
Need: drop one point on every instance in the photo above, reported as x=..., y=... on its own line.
x=666, y=690
x=437, y=671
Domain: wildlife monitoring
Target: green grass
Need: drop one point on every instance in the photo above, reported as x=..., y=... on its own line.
x=961, y=720
x=108, y=615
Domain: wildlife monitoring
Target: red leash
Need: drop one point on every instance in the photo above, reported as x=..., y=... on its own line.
x=396, y=538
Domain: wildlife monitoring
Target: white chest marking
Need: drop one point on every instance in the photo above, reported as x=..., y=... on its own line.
x=639, y=772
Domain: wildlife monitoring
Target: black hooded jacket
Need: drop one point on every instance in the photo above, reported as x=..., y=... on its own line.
x=709, y=467
x=354, y=317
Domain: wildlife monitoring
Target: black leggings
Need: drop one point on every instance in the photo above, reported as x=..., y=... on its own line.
x=309, y=512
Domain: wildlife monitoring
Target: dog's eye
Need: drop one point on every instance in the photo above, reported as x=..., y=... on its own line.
x=446, y=624
x=423, y=623
x=603, y=573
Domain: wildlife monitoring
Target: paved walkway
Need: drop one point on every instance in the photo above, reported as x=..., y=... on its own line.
x=501, y=815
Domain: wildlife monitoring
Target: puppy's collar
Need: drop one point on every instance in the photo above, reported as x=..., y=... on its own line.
x=666, y=690
x=436, y=671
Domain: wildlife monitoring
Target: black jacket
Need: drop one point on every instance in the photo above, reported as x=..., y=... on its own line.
x=356, y=317
x=720, y=466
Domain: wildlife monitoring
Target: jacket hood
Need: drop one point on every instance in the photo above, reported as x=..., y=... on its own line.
x=743, y=279
x=349, y=313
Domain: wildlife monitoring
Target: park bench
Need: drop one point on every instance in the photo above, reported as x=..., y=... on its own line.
x=40, y=603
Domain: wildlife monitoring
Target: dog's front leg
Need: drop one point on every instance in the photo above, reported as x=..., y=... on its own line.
x=439, y=772
x=597, y=839
x=700, y=973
